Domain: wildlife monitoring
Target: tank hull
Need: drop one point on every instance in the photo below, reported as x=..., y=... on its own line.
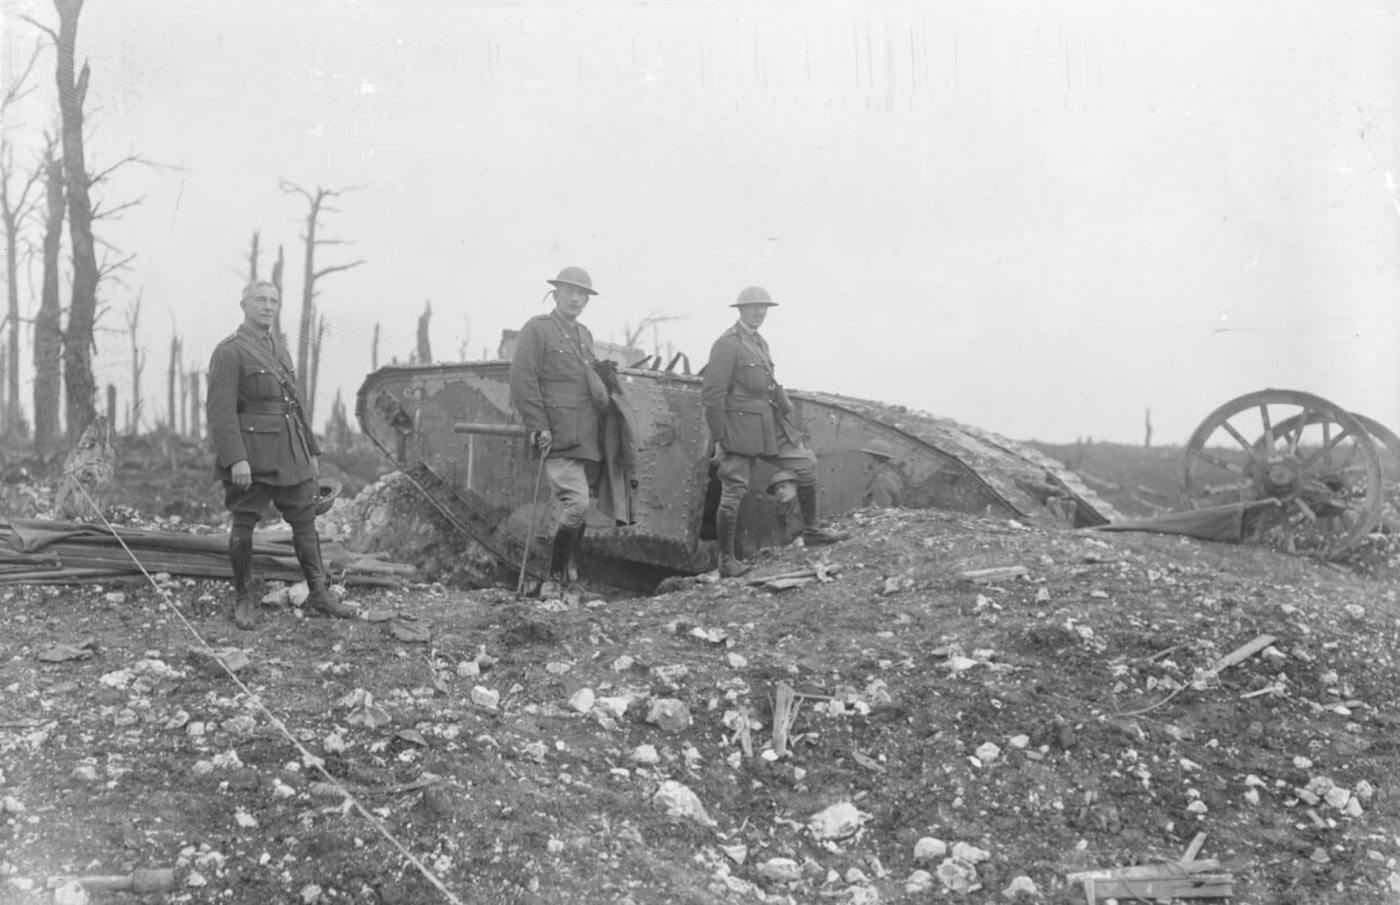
x=452, y=427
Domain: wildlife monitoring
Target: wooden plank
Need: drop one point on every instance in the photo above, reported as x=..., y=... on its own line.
x=1243, y=653
x=1174, y=888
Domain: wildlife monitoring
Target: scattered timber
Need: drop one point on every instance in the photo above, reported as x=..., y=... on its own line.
x=41, y=552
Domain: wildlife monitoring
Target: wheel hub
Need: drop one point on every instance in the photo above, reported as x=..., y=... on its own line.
x=1280, y=479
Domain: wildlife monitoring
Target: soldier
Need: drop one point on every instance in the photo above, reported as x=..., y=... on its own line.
x=884, y=489
x=561, y=398
x=264, y=450
x=750, y=417
x=782, y=490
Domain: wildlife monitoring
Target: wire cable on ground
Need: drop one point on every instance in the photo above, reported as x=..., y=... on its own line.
x=311, y=760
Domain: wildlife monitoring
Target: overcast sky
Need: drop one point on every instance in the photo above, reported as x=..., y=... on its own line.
x=1040, y=218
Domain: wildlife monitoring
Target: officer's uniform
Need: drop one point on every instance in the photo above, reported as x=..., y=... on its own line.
x=749, y=413
x=549, y=389
x=550, y=378
x=744, y=410
x=253, y=417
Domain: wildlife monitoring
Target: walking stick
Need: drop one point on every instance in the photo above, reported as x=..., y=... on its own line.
x=530, y=537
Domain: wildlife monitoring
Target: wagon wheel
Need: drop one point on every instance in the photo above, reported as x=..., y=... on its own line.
x=1388, y=448
x=1312, y=458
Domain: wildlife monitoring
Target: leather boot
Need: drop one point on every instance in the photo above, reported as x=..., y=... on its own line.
x=318, y=599
x=552, y=588
x=240, y=557
x=812, y=534
x=730, y=566
x=571, y=563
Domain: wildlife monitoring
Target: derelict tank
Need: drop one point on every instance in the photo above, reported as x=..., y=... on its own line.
x=453, y=432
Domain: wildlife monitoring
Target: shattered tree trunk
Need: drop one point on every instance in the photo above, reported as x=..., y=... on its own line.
x=48, y=333
x=138, y=364
x=425, y=349
x=195, y=407
x=13, y=413
x=170, y=383
x=82, y=310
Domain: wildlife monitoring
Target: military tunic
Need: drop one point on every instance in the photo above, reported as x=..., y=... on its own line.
x=251, y=416
x=885, y=490
x=740, y=394
x=549, y=386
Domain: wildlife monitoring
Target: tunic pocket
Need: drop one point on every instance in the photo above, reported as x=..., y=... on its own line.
x=563, y=423
x=262, y=440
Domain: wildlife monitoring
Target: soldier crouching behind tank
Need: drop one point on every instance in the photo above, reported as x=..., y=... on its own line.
x=750, y=417
x=264, y=450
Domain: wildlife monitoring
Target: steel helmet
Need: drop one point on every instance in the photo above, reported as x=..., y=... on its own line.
x=779, y=478
x=754, y=295
x=327, y=489
x=574, y=276
x=881, y=448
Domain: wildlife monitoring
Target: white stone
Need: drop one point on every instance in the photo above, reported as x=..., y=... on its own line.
x=929, y=848
x=677, y=800
x=486, y=697
x=783, y=870
x=919, y=881
x=988, y=752
x=85, y=773
x=1019, y=885
x=645, y=755
x=957, y=875
x=70, y=893
x=669, y=714
x=582, y=700
x=1337, y=797
x=614, y=706
x=837, y=821
x=964, y=851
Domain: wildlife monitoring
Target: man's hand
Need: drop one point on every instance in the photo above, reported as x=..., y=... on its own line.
x=720, y=452
x=242, y=475
x=544, y=439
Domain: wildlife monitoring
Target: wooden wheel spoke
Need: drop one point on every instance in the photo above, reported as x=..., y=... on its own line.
x=1218, y=462
x=1298, y=433
x=1268, y=426
x=1239, y=438
x=1328, y=444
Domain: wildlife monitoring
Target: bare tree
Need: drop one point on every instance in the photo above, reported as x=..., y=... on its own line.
x=253, y=259
x=48, y=332
x=138, y=364
x=315, y=361
x=14, y=209
x=195, y=405
x=82, y=310
x=424, y=353
x=316, y=205
x=631, y=335
x=170, y=382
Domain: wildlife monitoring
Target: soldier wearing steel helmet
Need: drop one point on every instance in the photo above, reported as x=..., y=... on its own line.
x=883, y=488
x=265, y=451
x=750, y=417
x=552, y=386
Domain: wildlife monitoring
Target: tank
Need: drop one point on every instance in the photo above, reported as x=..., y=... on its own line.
x=452, y=430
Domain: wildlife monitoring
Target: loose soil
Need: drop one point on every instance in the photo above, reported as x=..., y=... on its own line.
x=1064, y=719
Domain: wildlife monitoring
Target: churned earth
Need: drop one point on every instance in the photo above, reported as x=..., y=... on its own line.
x=890, y=731
x=1055, y=721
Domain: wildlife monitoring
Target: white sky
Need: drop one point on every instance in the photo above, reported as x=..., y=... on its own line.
x=1040, y=217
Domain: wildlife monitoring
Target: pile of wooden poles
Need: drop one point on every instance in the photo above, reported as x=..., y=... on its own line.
x=40, y=552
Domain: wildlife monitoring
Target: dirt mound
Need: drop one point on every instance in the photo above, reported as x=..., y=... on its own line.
x=898, y=732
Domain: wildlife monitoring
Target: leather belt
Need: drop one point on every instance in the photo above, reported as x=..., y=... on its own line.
x=256, y=407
